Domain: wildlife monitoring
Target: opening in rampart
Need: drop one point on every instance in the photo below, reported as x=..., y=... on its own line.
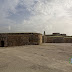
x=2, y=43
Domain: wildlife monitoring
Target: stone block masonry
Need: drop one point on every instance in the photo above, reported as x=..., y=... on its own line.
x=57, y=38
x=18, y=39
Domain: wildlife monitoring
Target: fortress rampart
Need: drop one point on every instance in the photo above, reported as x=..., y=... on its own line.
x=18, y=39
x=57, y=38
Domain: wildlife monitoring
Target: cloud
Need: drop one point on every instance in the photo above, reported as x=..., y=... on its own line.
x=36, y=16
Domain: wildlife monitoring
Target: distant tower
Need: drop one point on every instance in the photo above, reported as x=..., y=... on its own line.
x=44, y=32
x=44, y=36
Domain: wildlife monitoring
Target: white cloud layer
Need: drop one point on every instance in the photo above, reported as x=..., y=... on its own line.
x=36, y=16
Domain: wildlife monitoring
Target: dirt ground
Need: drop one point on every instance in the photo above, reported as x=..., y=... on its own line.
x=50, y=57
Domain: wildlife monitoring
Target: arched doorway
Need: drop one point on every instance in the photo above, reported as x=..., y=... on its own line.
x=2, y=43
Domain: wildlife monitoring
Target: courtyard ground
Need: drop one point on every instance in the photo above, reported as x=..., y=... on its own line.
x=48, y=57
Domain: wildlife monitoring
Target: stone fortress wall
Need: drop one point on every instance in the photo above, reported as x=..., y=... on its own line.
x=57, y=38
x=19, y=39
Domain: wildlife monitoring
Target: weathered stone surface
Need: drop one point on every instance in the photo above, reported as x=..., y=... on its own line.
x=18, y=39
x=57, y=38
x=68, y=40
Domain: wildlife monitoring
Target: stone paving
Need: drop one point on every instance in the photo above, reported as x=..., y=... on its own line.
x=48, y=57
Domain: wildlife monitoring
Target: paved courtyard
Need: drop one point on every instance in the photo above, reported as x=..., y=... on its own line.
x=51, y=57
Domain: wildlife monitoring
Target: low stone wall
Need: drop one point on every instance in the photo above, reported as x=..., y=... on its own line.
x=49, y=40
x=68, y=40
x=55, y=40
x=58, y=39
x=3, y=39
x=18, y=39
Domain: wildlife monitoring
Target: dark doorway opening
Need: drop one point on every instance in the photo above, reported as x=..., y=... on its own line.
x=2, y=43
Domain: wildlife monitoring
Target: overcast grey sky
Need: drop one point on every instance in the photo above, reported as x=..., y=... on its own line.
x=36, y=16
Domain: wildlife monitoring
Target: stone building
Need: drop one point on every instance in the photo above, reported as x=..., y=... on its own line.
x=56, y=34
x=18, y=39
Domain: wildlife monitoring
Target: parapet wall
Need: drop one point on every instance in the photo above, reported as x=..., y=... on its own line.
x=68, y=39
x=18, y=39
x=55, y=39
x=58, y=39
